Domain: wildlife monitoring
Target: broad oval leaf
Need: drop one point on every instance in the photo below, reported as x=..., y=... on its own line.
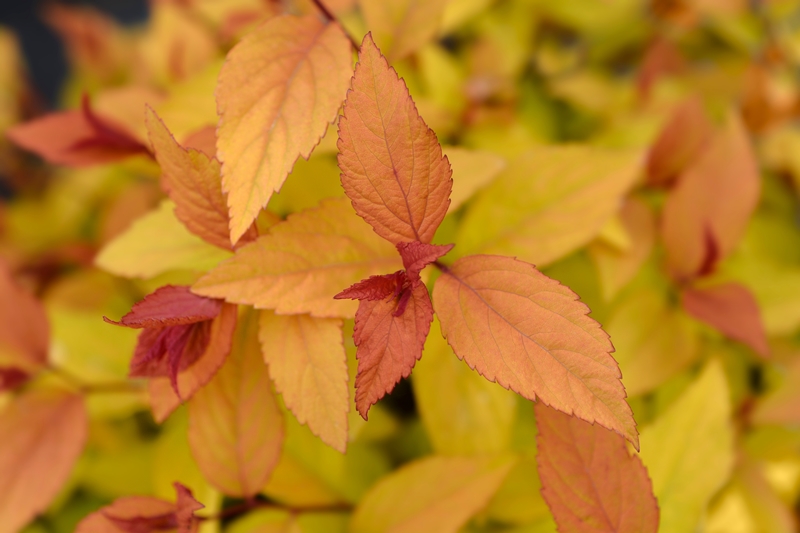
x=302, y=263
x=389, y=341
x=688, y=451
x=157, y=243
x=530, y=334
x=731, y=309
x=462, y=412
x=193, y=181
x=278, y=90
x=402, y=26
x=235, y=425
x=392, y=165
x=43, y=435
x=472, y=170
x=589, y=480
x=714, y=197
x=433, y=495
x=548, y=202
x=308, y=364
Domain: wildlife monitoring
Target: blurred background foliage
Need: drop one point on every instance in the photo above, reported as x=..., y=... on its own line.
x=720, y=423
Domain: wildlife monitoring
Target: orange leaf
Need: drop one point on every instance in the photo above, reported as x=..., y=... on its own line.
x=714, y=197
x=76, y=138
x=683, y=138
x=530, y=334
x=43, y=434
x=163, y=399
x=279, y=88
x=145, y=514
x=589, y=480
x=302, y=263
x=235, y=426
x=389, y=336
x=392, y=165
x=731, y=309
x=24, y=328
x=308, y=364
x=192, y=180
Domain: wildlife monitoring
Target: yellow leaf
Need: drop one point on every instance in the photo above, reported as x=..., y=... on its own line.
x=308, y=364
x=688, y=450
x=654, y=340
x=402, y=26
x=432, y=495
x=235, y=427
x=309, y=183
x=303, y=262
x=462, y=412
x=472, y=170
x=190, y=104
x=156, y=243
x=278, y=90
x=549, y=202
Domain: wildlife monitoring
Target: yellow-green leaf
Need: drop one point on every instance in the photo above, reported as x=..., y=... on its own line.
x=401, y=26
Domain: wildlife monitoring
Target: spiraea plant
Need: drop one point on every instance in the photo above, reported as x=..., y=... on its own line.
x=302, y=208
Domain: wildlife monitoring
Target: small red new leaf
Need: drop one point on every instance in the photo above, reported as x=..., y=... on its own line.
x=392, y=165
x=170, y=306
x=389, y=335
x=417, y=255
x=11, y=378
x=375, y=287
x=589, y=480
x=731, y=309
x=76, y=138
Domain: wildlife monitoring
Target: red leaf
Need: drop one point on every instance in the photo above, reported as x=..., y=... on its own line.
x=731, y=309
x=417, y=255
x=681, y=141
x=76, y=138
x=143, y=514
x=375, y=287
x=530, y=334
x=170, y=306
x=392, y=165
x=589, y=480
x=389, y=335
x=11, y=378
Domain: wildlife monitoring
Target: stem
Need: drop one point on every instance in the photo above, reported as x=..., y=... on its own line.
x=441, y=266
x=330, y=17
x=91, y=388
x=249, y=505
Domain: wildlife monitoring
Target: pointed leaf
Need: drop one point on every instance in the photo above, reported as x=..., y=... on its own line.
x=688, y=451
x=589, y=480
x=163, y=399
x=43, y=435
x=717, y=194
x=463, y=413
x=392, y=165
x=375, y=287
x=389, y=340
x=731, y=309
x=433, y=495
x=279, y=88
x=417, y=255
x=308, y=364
x=193, y=181
x=682, y=140
x=170, y=305
x=548, y=202
x=402, y=26
x=302, y=263
x=530, y=334
x=24, y=328
x=76, y=138
x=235, y=426
x=157, y=243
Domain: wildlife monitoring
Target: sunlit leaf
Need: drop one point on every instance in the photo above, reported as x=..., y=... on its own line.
x=472, y=170
x=402, y=26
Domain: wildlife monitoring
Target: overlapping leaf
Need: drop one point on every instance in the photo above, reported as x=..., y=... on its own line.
x=43, y=434
x=279, y=88
x=392, y=165
x=235, y=426
x=193, y=181
x=308, y=364
x=527, y=332
x=589, y=479
x=548, y=202
x=302, y=263
x=402, y=26
x=24, y=328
